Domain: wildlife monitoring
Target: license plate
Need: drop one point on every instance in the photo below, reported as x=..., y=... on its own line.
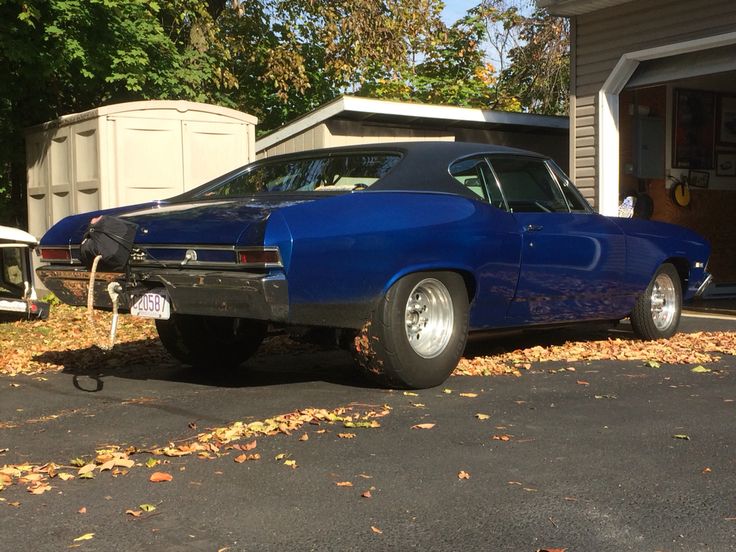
x=152, y=304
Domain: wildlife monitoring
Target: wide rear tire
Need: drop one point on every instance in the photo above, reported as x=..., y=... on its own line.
x=417, y=333
x=211, y=341
x=656, y=314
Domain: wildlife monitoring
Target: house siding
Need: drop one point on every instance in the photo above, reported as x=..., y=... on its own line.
x=603, y=36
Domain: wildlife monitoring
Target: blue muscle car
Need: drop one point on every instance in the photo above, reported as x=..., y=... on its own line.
x=401, y=249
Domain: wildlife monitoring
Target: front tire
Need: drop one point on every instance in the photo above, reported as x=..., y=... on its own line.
x=417, y=333
x=656, y=314
x=211, y=341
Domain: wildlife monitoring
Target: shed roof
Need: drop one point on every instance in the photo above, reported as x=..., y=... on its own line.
x=383, y=111
x=182, y=106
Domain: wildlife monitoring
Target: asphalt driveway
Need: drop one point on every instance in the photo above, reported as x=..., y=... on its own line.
x=611, y=456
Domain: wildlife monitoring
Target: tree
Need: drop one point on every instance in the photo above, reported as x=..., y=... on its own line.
x=61, y=56
x=532, y=51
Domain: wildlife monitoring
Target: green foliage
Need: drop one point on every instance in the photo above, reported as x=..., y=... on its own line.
x=276, y=59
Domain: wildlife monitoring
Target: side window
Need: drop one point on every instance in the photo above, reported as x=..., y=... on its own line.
x=528, y=185
x=477, y=177
x=572, y=195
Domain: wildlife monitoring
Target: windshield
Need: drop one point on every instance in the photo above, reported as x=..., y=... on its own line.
x=333, y=173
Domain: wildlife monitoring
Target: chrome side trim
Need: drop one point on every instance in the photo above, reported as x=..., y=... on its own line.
x=706, y=283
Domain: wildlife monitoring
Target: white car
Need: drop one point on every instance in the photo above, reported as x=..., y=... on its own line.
x=18, y=297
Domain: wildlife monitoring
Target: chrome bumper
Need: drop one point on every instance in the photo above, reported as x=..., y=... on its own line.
x=203, y=292
x=704, y=286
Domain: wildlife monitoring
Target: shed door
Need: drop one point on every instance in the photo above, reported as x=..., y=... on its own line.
x=147, y=163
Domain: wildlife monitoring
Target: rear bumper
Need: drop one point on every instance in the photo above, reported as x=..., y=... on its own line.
x=202, y=292
x=20, y=308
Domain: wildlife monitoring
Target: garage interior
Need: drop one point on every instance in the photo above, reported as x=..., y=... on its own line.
x=677, y=125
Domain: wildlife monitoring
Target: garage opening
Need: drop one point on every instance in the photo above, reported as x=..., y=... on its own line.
x=677, y=148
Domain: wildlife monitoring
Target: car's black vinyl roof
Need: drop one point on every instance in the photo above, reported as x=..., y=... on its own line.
x=424, y=166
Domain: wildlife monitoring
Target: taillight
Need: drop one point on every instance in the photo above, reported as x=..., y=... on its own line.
x=55, y=254
x=259, y=257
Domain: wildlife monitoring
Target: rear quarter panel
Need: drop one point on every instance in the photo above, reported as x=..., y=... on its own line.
x=341, y=254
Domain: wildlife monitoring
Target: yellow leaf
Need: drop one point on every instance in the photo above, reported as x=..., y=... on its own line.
x=344, y=484
x=482, y=416
x=151, y=462
x=290, y=463
x=469, y=395
x=423, y=426
x=463, y=475
x=447, y=391
x=86, y=536
x=410, y=394
x=147, y=507
x=700, y=370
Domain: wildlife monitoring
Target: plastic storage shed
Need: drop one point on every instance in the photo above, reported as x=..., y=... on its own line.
x=130, y=153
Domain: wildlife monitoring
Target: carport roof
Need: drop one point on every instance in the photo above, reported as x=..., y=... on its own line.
x=577, y=7
x=405, y=113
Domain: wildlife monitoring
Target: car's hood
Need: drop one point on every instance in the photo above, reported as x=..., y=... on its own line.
x=216, y=222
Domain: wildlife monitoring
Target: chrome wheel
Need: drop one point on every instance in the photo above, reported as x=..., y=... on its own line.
x=429, y=318
x=663, y=301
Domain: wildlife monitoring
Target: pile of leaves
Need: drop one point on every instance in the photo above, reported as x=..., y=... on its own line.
x=43, y=345
x=692, y=348
x=217, y=442
x=67, y=340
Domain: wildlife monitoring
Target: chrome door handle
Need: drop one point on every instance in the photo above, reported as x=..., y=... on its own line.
x=533, y=228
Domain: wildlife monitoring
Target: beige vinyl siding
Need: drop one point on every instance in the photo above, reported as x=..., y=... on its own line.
x=313, y=138
x=602, y=37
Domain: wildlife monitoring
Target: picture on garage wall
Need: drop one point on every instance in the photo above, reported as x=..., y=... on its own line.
x=727, y=120
x=694, y=129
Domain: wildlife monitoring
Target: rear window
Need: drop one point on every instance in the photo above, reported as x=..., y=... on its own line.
x=334, y=173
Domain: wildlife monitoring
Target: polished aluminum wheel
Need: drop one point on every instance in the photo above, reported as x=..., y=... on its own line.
x=429, y=318
x=663, y=302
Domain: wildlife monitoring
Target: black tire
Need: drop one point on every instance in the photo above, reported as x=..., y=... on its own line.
x=383, y=349
x=657, y=311
x=211, y=341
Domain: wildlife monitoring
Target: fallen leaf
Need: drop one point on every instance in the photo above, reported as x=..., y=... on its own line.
x=82, y=510
x=706, y=470
x=152, y=462
x=87, y=475
x=87, y=468
x=366, y=494
x=86, y=536
x=147, y=507
x=463, y=475
x=418, y=405
x=410, y=394
x=134, y=513
x=482, y=416
x=346, y=435
x=249, y=446
x=376, y=530
x=700, y=370
x=447, y=391
x=64, y=476
x=344, y=484
x=245, y=457
x=280, y=456
x=304, y=437
x=681, y=436
x=160, y=477
x=290, y=463
x=652, y=364
x=469, y=395
x=582, y=382
x=423, y=426
x=504, y=437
